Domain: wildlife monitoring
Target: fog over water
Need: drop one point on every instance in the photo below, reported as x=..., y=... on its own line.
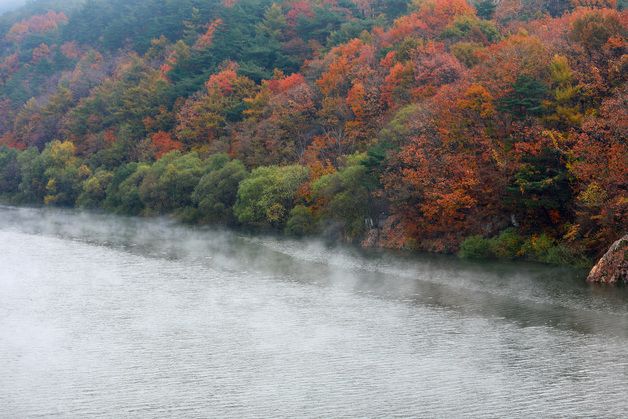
x=103, y=316
x=6, y=5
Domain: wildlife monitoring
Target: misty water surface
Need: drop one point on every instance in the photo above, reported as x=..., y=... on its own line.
x=110, y=317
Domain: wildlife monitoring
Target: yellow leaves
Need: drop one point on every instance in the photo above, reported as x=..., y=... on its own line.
x=256, y=104
x=560, y=71
x=569, y=113
x=84, y=171
x=51, y=186
x=593, y=196
x=573, y=231
x=477, y=98
x=49, y=199
x=566, y=110
x=500, y=160
x=62, y=153
x=567, y=93
x=275, y=213
x=557, y=139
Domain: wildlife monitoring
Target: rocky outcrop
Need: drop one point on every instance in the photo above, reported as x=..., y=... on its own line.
x=371, y=239
x=386, y=234
x=613, y=267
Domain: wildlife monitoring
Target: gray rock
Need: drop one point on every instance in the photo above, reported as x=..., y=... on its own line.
x=613, y=267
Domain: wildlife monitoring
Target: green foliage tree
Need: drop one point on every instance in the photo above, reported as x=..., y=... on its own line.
x=346, y=196
x=509, y=244
x=217, y=191
x=475, y=247
x=135, y=93
x=169, y=183
x=9, y=172
x=526, y=99
x=123, y=194
x=485, y=8
x=467, y=52
x=539, y=191
x=302, y=222
x=472, y=29
x=64, y=174
x=95, y=189
x=563, y=107
x=53, y=177
x=268, y=195
x=32, y=173
x=113, y=200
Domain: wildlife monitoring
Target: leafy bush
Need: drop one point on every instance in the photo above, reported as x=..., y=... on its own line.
x=476, y=247
x=537, y=247
x=546, y=250
x=507, y=245
x=558, y=255
x=510, y=245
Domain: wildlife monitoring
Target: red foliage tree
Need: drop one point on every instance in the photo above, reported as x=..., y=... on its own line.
x=279, y=122
x=600, y=167
x=36, y=24
x=206, y=40
x=163, y=143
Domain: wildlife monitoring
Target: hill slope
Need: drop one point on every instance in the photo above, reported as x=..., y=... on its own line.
x=496, y=130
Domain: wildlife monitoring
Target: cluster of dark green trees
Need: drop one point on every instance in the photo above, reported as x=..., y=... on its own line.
x=212, y=189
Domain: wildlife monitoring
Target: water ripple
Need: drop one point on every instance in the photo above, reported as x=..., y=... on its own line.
x=101, y=331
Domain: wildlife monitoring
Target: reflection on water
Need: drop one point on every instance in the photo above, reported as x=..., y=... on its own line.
x=104, y=316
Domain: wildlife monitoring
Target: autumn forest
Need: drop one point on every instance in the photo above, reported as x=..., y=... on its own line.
x=489, y=129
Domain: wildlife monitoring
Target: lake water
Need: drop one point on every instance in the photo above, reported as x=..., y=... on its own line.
x=112, y=317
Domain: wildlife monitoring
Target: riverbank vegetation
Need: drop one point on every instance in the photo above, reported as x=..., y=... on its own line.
x=488, y=129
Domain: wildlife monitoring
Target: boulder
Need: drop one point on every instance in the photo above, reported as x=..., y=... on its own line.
x=613, y=267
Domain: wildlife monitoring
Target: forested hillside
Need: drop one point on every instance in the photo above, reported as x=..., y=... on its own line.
x=491, y=128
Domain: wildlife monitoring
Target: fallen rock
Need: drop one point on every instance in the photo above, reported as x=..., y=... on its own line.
x=613, y=267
